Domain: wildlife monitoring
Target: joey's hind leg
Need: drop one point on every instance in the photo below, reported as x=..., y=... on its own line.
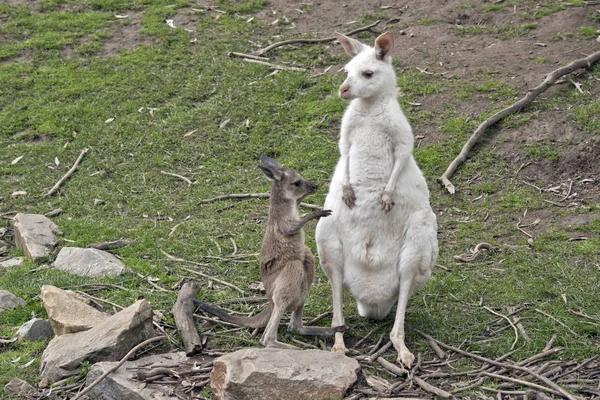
x=269, y=337
x=297, y=326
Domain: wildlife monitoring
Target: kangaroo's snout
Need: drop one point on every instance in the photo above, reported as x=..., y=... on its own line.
x=312, y=187
x=345, y=91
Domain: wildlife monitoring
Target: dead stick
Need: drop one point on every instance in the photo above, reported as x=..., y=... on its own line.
x=583, y=364
x=243, y=196
x=555, y=320
x=183, y=311
x=393, y=368
x=503, y=365
x=510, y=322
x=550, y=342
x=189, y=182
x=529, y=97
x=439, y=352
x=243, y=55
x=329, y=39
x=62, y=180
x=477, y=383
x=432, y=389
x=213, y=279
x=521, y=382
x=116, y=244
x=112, y=369
x=274, y=66
x=376, y=355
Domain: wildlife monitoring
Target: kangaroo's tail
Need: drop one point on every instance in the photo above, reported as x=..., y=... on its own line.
x=259, y=320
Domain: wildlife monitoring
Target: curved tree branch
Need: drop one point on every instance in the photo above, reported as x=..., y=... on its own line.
x=529, y=97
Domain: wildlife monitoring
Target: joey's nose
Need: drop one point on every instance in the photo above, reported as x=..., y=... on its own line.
x=312, y=187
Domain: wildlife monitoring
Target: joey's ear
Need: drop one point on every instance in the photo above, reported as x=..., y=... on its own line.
x=384, y=45
x=352, y=46
x=271, y=169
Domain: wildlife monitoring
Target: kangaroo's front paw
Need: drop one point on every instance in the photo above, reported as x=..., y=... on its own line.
x=348, y=196
x=387, y=200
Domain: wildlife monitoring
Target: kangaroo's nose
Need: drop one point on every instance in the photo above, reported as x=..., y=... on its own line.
x=344, y=89
x=312, y=187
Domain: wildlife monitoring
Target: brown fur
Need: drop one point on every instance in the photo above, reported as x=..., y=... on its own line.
x=287, y=266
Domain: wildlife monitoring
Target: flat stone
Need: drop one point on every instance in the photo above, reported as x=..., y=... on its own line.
x=36, y=329
x=68, y=314
x=107, y=341
x=36, y=234
x=9, y=301
x=19, y=388
x=123, y=383
x=88, y=262
x=12, y=262
x=270, y=374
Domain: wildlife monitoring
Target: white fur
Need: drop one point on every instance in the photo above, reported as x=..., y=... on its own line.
x=384, y=247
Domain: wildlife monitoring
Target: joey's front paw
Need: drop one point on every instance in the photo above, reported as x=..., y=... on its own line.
x=387, y=200
x=348, y=196
x=324, y=213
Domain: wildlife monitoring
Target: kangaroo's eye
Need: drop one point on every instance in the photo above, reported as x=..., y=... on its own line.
x=297, y=183
x=367, y=74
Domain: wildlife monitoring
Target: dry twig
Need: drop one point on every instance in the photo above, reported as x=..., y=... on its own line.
x=183, y=178
x=123, y=360
x=329, y=39
x=542, y=378
x=62, y=180
x=509, y=321
x=557, y=321
x=213, y=279
x=529, y=97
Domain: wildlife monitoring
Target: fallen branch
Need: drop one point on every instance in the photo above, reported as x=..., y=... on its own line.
x=116, y=244
x=393, y=368
x=274, y=66
x=432, y=389
x=244, y=196
x=62, y=180
x=112, y=369
x=183, y=178
x=521, y=382
x=542, y=378
x=529, y=97
x=262, y=51
x=243, y=55
x=510, y=322
x=213, y=279
x=557, y=321
x=183, y=311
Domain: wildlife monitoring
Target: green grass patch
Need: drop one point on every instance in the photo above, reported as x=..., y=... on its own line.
x=588, y=32
x=542, y=150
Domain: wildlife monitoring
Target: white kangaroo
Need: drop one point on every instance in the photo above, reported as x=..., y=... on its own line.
x=381, y=240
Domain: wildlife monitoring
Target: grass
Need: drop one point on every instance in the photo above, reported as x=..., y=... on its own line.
x=132, y=109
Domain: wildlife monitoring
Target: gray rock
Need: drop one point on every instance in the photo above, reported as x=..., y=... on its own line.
x=88, y=262
x=67, y=314
x=19, y=388
x=35, y=329
x=108, y=341
x=12, y=262
x=122, y=383
x=9, y=301
x=270, y=374
x=36, y=234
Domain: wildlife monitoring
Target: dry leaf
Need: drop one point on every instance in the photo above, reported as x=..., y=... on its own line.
x=56, y=161
x=18, y=193
x=170, y=23
x=224, y=124
x=108, y=121
x=16, y=160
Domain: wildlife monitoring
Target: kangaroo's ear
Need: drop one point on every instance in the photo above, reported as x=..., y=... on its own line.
x=271, y=168
x=352, y=46
x=384, y=45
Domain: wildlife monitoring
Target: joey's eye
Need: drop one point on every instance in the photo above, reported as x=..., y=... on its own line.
x=367, y=74
x=297, y=183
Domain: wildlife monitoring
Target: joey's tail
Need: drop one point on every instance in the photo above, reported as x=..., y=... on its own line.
x=259, y=320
